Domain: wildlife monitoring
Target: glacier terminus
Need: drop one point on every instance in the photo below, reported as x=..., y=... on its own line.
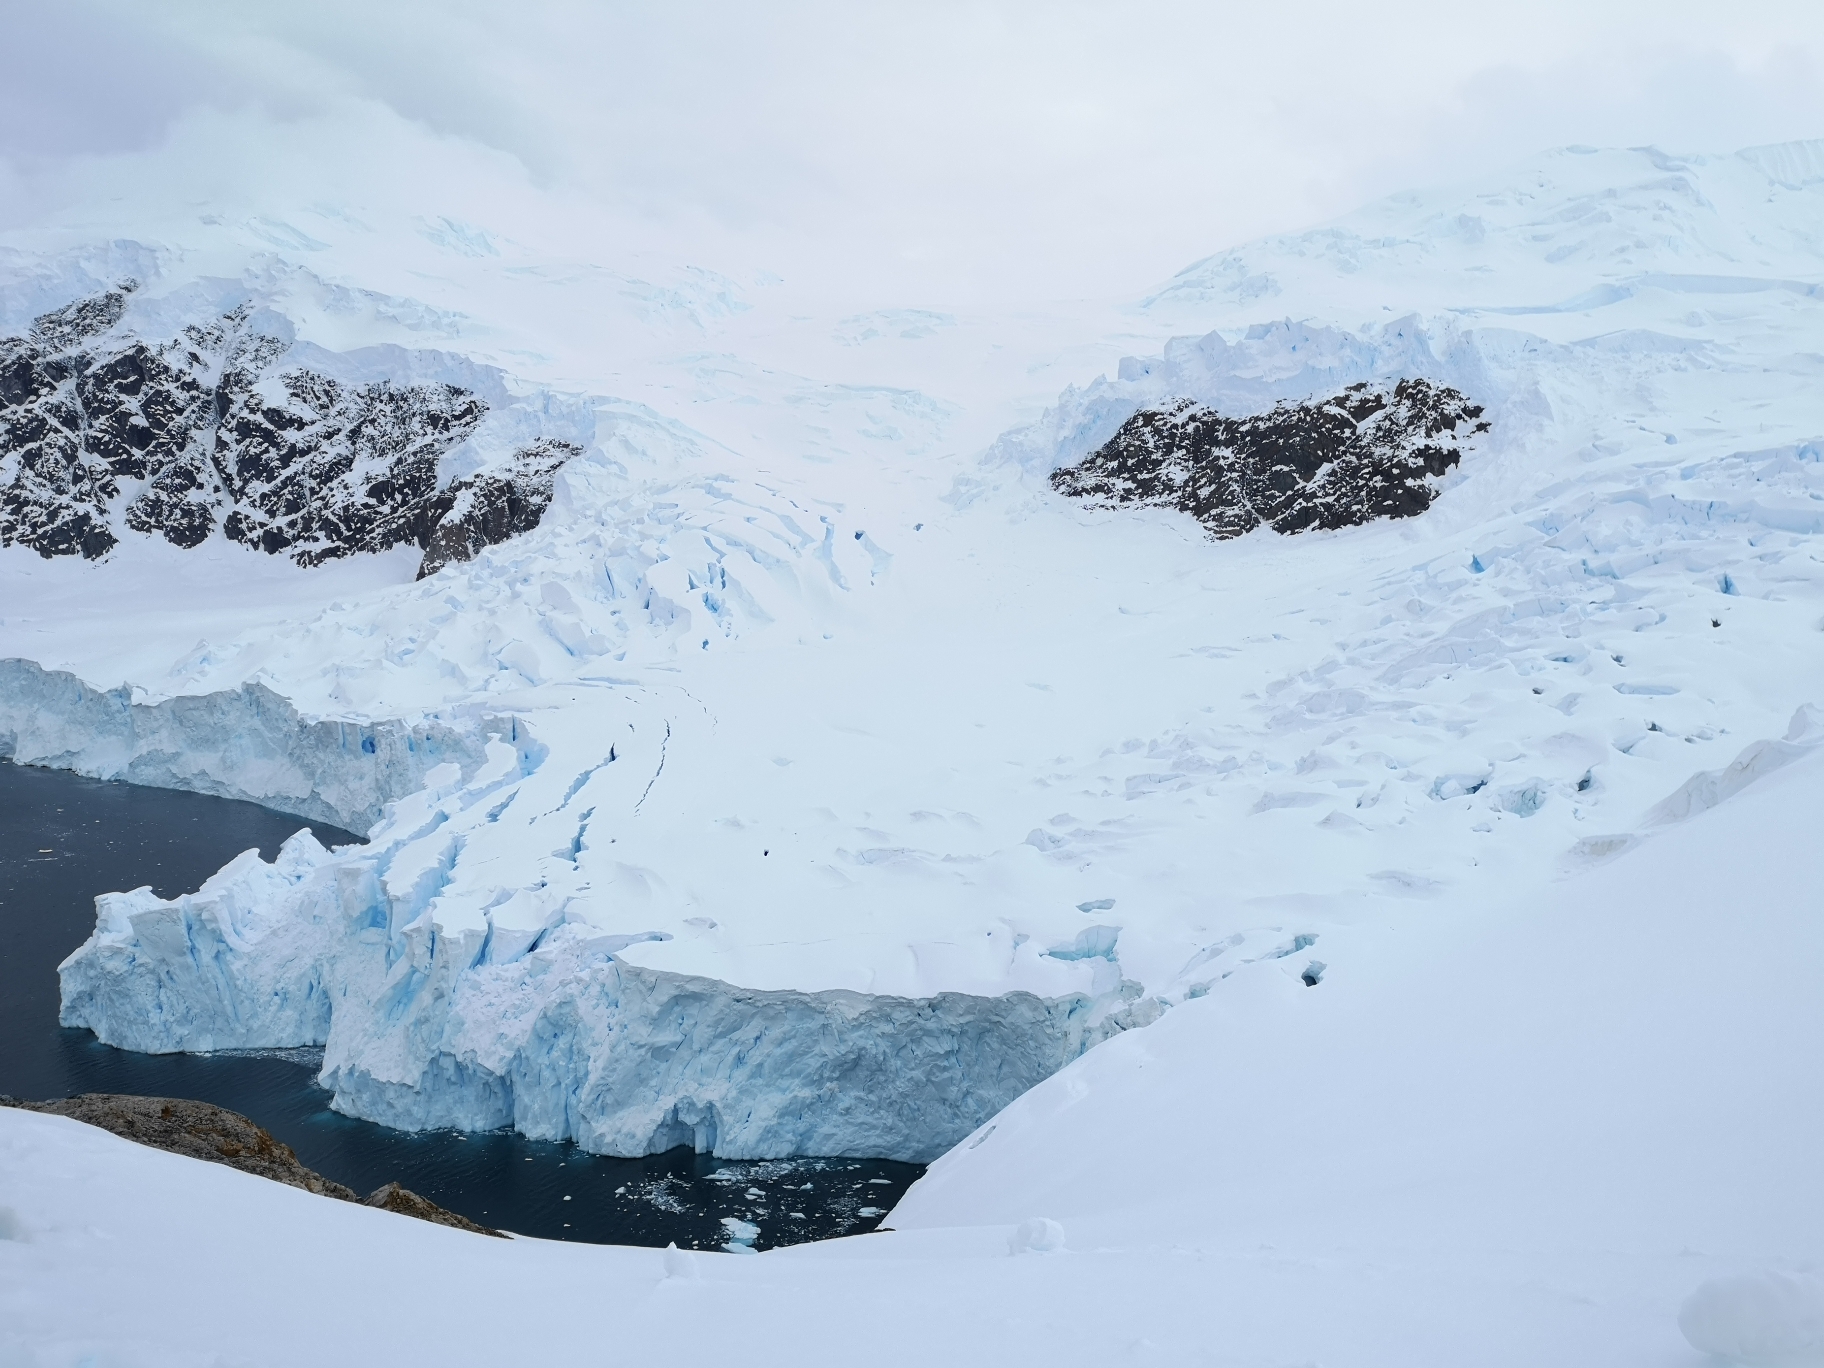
x=1294, y=792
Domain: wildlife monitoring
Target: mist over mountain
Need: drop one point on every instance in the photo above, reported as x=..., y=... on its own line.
x=1155, y=611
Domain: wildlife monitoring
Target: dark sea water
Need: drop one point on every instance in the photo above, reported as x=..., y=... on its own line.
x=64, y=839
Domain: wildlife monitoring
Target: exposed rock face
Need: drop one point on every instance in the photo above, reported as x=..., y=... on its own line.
x=402, y=1201
x=1371, y=452
x=102, y=432
x=484, y=510
x=199, y=1130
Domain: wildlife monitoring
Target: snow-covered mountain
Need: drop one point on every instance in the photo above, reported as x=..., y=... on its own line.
x=817, y=772
x=811, y=780
x=228, y=426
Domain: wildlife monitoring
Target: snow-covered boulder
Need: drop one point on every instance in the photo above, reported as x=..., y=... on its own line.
x=1759, y=1320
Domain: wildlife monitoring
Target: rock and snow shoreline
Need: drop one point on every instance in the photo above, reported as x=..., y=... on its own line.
x=894, y=744
x=539, y=1027
x=200, y=1130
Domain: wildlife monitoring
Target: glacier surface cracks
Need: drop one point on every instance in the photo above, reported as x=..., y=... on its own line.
x=448, y=995
x=958, y=776
x=498, y=954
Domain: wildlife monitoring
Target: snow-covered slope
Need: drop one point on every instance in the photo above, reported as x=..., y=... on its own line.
x=1521, y=1130
x=1622, y=1064
x=802, y=705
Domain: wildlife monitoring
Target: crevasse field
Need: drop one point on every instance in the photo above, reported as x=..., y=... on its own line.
x=1388, y=945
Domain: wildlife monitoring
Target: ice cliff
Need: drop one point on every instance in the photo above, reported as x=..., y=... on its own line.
x=808, y=716
x=522, y=1013
x=247, y=742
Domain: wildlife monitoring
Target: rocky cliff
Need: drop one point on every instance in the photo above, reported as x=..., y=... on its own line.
x=105, y=433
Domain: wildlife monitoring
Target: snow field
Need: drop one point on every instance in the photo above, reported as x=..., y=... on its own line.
x=1766, y=1317
x=889, y=721
x=1536, y=1129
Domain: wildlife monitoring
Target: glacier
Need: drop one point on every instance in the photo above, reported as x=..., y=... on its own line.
x=1605, y=1157
x=1384, y=866
x=809, y=704
x=529, y=1019
x=247, y=742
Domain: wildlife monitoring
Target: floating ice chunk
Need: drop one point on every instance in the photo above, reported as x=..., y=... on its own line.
x=161, y=976
x=741, y=1235
x=1755, y=1319
x=1040, y=1235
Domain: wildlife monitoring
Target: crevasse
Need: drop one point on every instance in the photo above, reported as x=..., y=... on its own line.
x=560, y=1040
x=505, y=1018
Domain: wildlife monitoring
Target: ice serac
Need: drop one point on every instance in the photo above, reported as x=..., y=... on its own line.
x=246, y=742
x=108, y=429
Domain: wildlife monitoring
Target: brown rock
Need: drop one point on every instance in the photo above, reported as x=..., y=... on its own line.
x=196, y=1130
x=200, y=1130
x=405, y=1202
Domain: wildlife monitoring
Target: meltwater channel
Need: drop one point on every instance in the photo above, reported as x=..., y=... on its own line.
x=64, y=839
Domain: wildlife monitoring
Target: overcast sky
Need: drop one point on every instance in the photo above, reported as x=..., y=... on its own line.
x=1056, y=148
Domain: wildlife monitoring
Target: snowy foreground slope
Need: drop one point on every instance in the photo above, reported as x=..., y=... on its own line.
x=807, y=781
x=1509, y=1131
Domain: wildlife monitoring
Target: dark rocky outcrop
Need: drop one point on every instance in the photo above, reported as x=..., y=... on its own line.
x=103, y=432
x=199, y=1130
x=1372, y=451
x=485, y=510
